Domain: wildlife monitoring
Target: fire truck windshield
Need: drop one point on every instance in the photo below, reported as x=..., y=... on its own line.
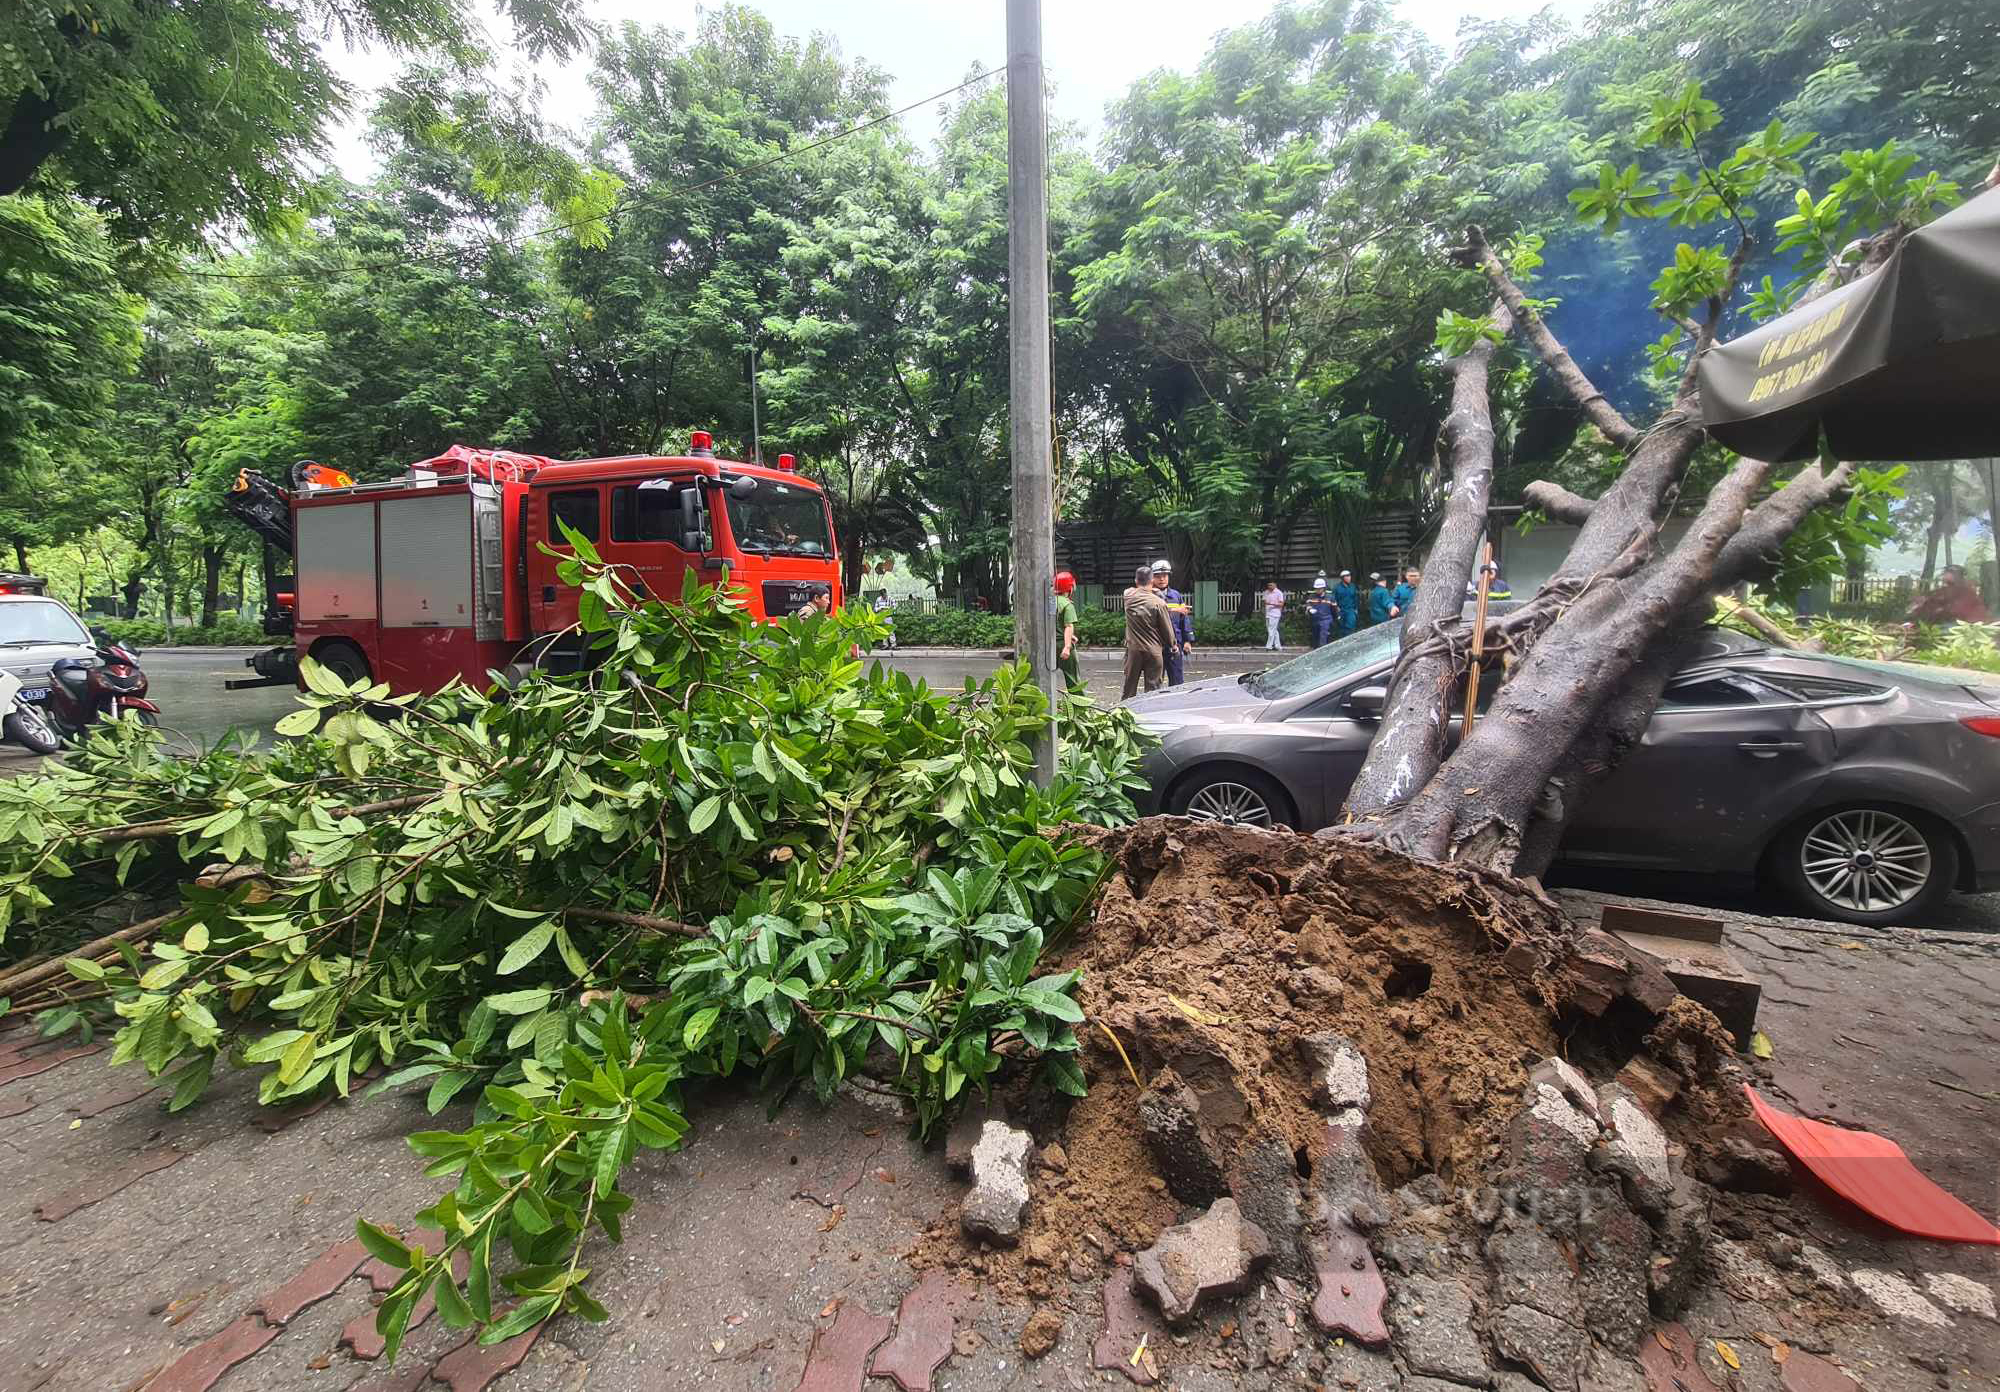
x=779, y=519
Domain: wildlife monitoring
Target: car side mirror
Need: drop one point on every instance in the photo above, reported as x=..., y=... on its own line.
x=1368, y=701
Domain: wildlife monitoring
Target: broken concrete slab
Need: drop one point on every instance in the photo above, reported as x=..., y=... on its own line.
x=1344, y=1179
x=1264, y=1182
x=1898, y=1299
x=1549, y=1141
x=1547, y=1347
x=1339, y=1072
x=1635, y=1149
x=1530, y=1269
x=1709, y=973
x=1631, y=918
x=994, y=1210
x=1215, y=1255
x=1960, y=1293
x=1565, y=1079
x=1432, y=1322
x=965, y=1131
x=1187, y=1154
x=1668, y=1358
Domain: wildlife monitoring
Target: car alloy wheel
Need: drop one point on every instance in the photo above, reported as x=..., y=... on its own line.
x=1231, y=803
x=1866, y=860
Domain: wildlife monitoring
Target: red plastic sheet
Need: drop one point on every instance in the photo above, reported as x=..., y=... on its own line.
x=1873, y=1174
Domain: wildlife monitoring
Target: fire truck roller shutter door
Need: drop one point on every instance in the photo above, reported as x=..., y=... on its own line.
x=427, y=561
x=335, y=551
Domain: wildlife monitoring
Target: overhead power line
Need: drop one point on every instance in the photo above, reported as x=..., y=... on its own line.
x=637, y=200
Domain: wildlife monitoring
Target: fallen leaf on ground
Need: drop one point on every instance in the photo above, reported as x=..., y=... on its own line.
x=1846, y=946
x=833, y=1218
x=828, y=1310
x=1728, y=1354
x=1780, y=1352
x=1760, y=1045
x=1196, y=1013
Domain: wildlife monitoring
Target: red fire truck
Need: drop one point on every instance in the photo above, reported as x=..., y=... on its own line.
x=441, y=573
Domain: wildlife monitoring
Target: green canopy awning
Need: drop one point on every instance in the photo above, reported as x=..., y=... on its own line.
x=1901, y=364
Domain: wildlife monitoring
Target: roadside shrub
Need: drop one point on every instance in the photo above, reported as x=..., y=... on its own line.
x=228, y=632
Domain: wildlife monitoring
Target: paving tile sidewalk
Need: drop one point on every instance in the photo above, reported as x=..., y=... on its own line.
x=736, y=1254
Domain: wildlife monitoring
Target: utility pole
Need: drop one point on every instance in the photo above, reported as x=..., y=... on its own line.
x=1028, y=359
x=756, y=435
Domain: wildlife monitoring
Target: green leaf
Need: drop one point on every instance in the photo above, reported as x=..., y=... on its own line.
x=698, y=1026
x=451, y=1305
x=299, y=722
x=520, y=1319
x=382, y=1244
x=704, y=814
x=520, y=1002
x=524, y=950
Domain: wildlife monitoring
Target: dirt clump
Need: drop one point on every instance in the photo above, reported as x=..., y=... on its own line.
x=1337, y=1040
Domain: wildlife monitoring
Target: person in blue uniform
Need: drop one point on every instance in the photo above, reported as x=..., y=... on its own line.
x=1183, y=623
x=1348, y=600
x=1321, y=612
x=1400, y=597
x=1380, y=605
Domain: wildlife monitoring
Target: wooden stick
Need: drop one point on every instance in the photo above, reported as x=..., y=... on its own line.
x=1478, y=646
x=137, y=932
x=632, y=920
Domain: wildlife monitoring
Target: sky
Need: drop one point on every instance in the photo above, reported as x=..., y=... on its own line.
x=1093, y=49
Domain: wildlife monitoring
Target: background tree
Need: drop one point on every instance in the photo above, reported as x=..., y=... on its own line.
x=173, y=117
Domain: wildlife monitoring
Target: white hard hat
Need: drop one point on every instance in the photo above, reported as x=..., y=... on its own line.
x=1162, y=568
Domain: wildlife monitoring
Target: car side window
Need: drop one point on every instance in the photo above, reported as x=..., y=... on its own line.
x=1709, y=692
x=579, y=510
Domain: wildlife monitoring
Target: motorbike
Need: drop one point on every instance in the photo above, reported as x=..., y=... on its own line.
x=23, y=722
x=82, y=692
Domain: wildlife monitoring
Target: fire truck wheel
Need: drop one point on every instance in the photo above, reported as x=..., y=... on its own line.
x=344, y=660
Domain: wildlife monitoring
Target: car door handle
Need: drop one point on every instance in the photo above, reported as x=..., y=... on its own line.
x=1768, y=749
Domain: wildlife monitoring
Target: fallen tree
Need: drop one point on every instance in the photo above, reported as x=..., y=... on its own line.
x=1590, y=654
x=793, y=866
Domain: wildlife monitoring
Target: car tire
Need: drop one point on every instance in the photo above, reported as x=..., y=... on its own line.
x=344, y=660
x=1234, y=796
x=32, y=731
x=1866, y=864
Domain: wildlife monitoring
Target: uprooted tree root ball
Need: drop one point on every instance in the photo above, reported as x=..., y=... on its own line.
x=1340, y=1061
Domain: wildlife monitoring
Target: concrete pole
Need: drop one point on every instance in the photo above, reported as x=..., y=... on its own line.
x=1028, y=358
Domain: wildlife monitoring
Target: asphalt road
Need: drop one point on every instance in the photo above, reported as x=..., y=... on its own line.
x=188, y=685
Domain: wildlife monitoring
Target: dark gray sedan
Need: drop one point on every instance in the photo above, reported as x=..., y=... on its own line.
x=1866, y=791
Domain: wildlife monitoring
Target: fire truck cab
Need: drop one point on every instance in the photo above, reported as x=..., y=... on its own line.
x=443, y=573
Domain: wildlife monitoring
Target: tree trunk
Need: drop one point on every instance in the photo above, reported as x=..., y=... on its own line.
x=1938, y=481
x=211, y=581
x=1479, y=805
x=1410, y=741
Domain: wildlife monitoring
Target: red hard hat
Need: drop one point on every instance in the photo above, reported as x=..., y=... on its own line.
x=1065, y=582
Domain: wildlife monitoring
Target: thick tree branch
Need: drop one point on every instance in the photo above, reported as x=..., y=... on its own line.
x=1483, y=799
x=1754, y=548
x=1557, y=502
x=1549, y=349
x=1409, y=745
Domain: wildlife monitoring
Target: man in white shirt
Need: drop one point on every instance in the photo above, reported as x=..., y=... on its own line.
x=1274, y=610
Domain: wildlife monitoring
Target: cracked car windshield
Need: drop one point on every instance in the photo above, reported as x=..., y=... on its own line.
x=45, y=622
x=1337, y=659
x=779, y=519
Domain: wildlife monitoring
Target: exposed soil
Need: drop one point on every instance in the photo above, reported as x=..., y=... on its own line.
x=1214, y=950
